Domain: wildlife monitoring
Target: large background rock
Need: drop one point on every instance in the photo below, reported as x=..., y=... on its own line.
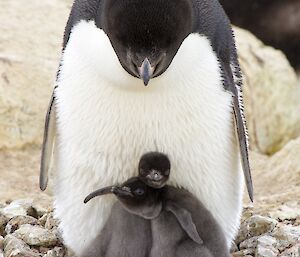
x=271, y=94
x=30, y=40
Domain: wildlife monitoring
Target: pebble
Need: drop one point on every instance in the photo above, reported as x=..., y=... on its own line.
x=14, y=247
x=36, y=236
x=3, y=222
x=51, y=222
x=244, y=253
x=286, y=213
x=40, y=209
x=249, y=243
x=266, y=247
x=56, y=252
x=17, y=221
x=1, y=246
x=254, y=226
x=1, y=242
x=294, y=251
x=35, y=233
x=287, y=235
x=263, y=251
x=17, y=208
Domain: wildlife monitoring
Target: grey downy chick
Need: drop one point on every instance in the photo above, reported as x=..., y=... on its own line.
x=142, y=201
x=154, y=170
x=124, y=234
x=172, y=235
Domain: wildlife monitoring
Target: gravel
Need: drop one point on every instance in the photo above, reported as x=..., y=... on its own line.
x=27, y=229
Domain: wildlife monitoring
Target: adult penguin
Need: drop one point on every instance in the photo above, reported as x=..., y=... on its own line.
x=102, y=118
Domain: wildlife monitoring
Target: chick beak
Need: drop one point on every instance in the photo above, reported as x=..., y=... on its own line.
x=155, y=175
x=146, y=71
x=102, y=191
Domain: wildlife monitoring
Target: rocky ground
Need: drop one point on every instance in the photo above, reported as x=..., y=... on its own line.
x=28, y=229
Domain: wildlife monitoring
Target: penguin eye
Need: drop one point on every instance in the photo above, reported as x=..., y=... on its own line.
x=139, y=191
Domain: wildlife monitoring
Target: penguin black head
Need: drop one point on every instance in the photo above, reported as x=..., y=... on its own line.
x=146, y=34
x=136, y=197
x=154, y=169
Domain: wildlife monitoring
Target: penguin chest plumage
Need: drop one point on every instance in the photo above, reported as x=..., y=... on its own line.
x=106, y=119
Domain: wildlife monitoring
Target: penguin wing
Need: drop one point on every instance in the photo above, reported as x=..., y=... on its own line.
x=233, y=83
x=48, y=142
x=211, y=21
x=185, y=220
x=83, y=10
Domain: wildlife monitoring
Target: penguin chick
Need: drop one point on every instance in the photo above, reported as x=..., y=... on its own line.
x=154, y=169
x=190, y=231
x=123, y=235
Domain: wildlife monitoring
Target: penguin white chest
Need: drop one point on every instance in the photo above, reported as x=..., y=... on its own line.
x=107, y=119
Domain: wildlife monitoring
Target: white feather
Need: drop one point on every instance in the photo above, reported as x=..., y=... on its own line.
x=107, y=119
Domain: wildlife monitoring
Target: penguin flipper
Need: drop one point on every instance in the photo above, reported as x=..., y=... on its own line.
x=233, y=83
x=185, y=220
x=48, y=142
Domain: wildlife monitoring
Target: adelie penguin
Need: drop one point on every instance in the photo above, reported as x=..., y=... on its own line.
x=180, y=224
x=102, y=118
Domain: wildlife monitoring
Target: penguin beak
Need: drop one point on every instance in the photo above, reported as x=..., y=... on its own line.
x=155, y=175
x=146, y=71
x=102, y=191
x=118, y=191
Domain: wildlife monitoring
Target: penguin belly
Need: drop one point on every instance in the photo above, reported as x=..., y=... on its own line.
x=106, y=120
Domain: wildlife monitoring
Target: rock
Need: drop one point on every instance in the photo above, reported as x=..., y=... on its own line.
x=255, y=226
x=285, y=212
x=234, y=248
x=266, y=247
x=56, y=252
x=247, y=212
x=14, y=247
x=1, y=242
x=277, y=179
x=267, y=241
x=244, y=253
x=27, y=73
x=249, y=243
x=42, y=221
x=17, y=208
x=17, y=221
x=294, y=251
x=262, y=251
x=3, y=222
x=271, y=94
x=40, y=209
x=51, y=222
x=1, y=246
x=36, y=236
x=287, y=236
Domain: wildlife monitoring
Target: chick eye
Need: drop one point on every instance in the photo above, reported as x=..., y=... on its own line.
x=139, y=191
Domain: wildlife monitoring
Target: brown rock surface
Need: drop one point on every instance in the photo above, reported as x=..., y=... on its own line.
x=277, y=181
x=30, y=40
x=271, y=94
